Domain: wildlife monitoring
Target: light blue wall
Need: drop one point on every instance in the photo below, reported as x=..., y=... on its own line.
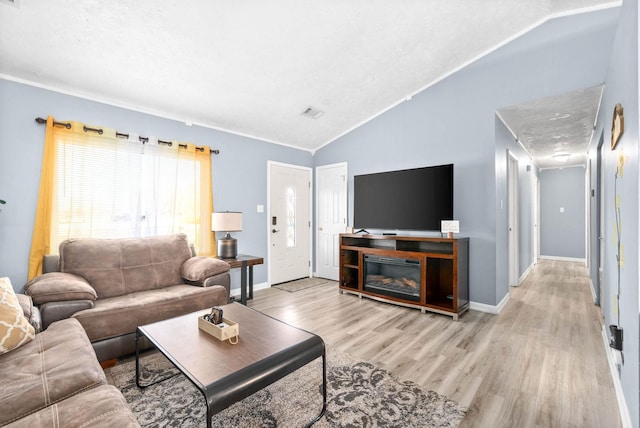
x=562, y=234
x=527, y=176
x=239, y=171
x=453, y=121
x=622, y=87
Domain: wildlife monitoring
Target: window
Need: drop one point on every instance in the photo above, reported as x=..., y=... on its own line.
x=291, y=217
x=105, y=186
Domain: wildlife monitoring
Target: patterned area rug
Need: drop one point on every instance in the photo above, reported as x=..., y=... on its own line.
x=359, y=395
x=301, y=284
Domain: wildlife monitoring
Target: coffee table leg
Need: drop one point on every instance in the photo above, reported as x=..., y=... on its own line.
x=138, y=359
x=324, y=390
x=138, y=366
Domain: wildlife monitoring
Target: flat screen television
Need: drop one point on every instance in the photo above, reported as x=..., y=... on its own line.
x=410, y=199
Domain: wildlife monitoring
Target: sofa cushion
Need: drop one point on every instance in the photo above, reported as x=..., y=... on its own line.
x=102, y=406
x=116, y=267
x=59, y=287
x=199, y=268
x=116, y=316
x=56, y=364
x=15, y=329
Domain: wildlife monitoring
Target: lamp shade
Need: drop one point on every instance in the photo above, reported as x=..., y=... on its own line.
x=226, y=221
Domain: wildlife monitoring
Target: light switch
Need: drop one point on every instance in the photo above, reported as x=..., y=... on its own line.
x=260, y=208
x=561, y=209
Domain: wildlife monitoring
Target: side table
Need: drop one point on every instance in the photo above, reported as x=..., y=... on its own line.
x=245, y=263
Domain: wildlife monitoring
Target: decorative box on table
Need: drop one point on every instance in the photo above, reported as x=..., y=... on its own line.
x=230, y=331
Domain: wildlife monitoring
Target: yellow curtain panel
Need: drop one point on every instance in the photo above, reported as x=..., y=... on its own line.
x=40, y=239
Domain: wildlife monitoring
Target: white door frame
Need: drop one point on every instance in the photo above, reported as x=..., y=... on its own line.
x=587, y=215
x=600, y=224
x=512, y=214
x=268, y=222
x=536, y=237
x=317, y=211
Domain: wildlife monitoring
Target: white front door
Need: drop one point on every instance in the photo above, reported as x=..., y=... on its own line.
x=289, y=222
x=331, y=217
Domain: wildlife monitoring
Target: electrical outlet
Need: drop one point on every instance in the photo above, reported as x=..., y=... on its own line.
x=616, y=337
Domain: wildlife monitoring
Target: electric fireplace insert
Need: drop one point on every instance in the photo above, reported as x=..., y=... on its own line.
x=393, y=277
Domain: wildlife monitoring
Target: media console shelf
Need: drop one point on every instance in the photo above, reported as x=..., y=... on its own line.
x=430, y=274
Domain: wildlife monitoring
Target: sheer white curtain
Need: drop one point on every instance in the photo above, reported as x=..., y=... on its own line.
x=95, y=184
x=115, y=187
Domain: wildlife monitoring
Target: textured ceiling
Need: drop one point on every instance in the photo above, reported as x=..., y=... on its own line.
x=251, y=67
x=556, y=125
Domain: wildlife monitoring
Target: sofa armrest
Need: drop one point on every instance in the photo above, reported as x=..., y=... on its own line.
x=223, y=279
x=59, y=287
x=56, y=311
x=31, y=313
x=196, y=270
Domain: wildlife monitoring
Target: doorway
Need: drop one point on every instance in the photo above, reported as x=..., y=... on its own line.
x=512, y=207
x=289, y=222
x=331, y=217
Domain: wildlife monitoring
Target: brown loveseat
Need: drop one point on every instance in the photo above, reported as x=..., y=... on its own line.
x=112, y=286
x=53, y=378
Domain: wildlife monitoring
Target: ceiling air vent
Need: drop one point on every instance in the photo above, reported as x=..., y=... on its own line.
x=312, y=112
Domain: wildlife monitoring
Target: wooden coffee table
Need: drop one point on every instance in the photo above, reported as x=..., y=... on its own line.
x=267, y=350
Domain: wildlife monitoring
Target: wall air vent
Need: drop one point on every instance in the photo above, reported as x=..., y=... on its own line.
x=312, y=112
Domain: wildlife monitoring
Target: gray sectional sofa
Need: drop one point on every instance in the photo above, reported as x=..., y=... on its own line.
x=56, y=380
x=111, y=286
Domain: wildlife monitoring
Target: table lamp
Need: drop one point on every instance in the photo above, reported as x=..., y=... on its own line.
x=227, y=222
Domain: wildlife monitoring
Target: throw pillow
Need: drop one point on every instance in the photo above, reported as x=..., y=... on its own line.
x=15, y=330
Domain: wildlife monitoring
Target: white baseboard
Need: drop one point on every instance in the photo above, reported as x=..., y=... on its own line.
x=525, y=273
x=261, y=286
x=565, y=259
x=625, y=416
x=593, y=290
x=490, y=309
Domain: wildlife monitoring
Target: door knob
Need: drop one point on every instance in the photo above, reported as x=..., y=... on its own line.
x=274, y=231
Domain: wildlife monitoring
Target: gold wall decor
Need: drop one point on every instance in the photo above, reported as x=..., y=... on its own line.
x=617, y=127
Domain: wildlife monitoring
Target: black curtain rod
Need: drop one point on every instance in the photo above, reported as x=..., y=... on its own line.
x=143, y=140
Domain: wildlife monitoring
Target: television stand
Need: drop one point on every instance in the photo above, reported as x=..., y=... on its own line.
x=430, y=274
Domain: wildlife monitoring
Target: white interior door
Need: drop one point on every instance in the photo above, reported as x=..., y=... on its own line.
x=512, y=189
x=331, y=217
x=289, y=222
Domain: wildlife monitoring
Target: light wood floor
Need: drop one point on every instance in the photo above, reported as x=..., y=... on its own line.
x=539, y=363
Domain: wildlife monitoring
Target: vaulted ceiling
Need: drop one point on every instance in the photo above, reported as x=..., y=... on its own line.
x=253, y=67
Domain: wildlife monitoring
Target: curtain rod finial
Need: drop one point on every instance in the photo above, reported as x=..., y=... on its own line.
x=41, y=120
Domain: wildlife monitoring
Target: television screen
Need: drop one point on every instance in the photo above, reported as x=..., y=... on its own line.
x=411, y=199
